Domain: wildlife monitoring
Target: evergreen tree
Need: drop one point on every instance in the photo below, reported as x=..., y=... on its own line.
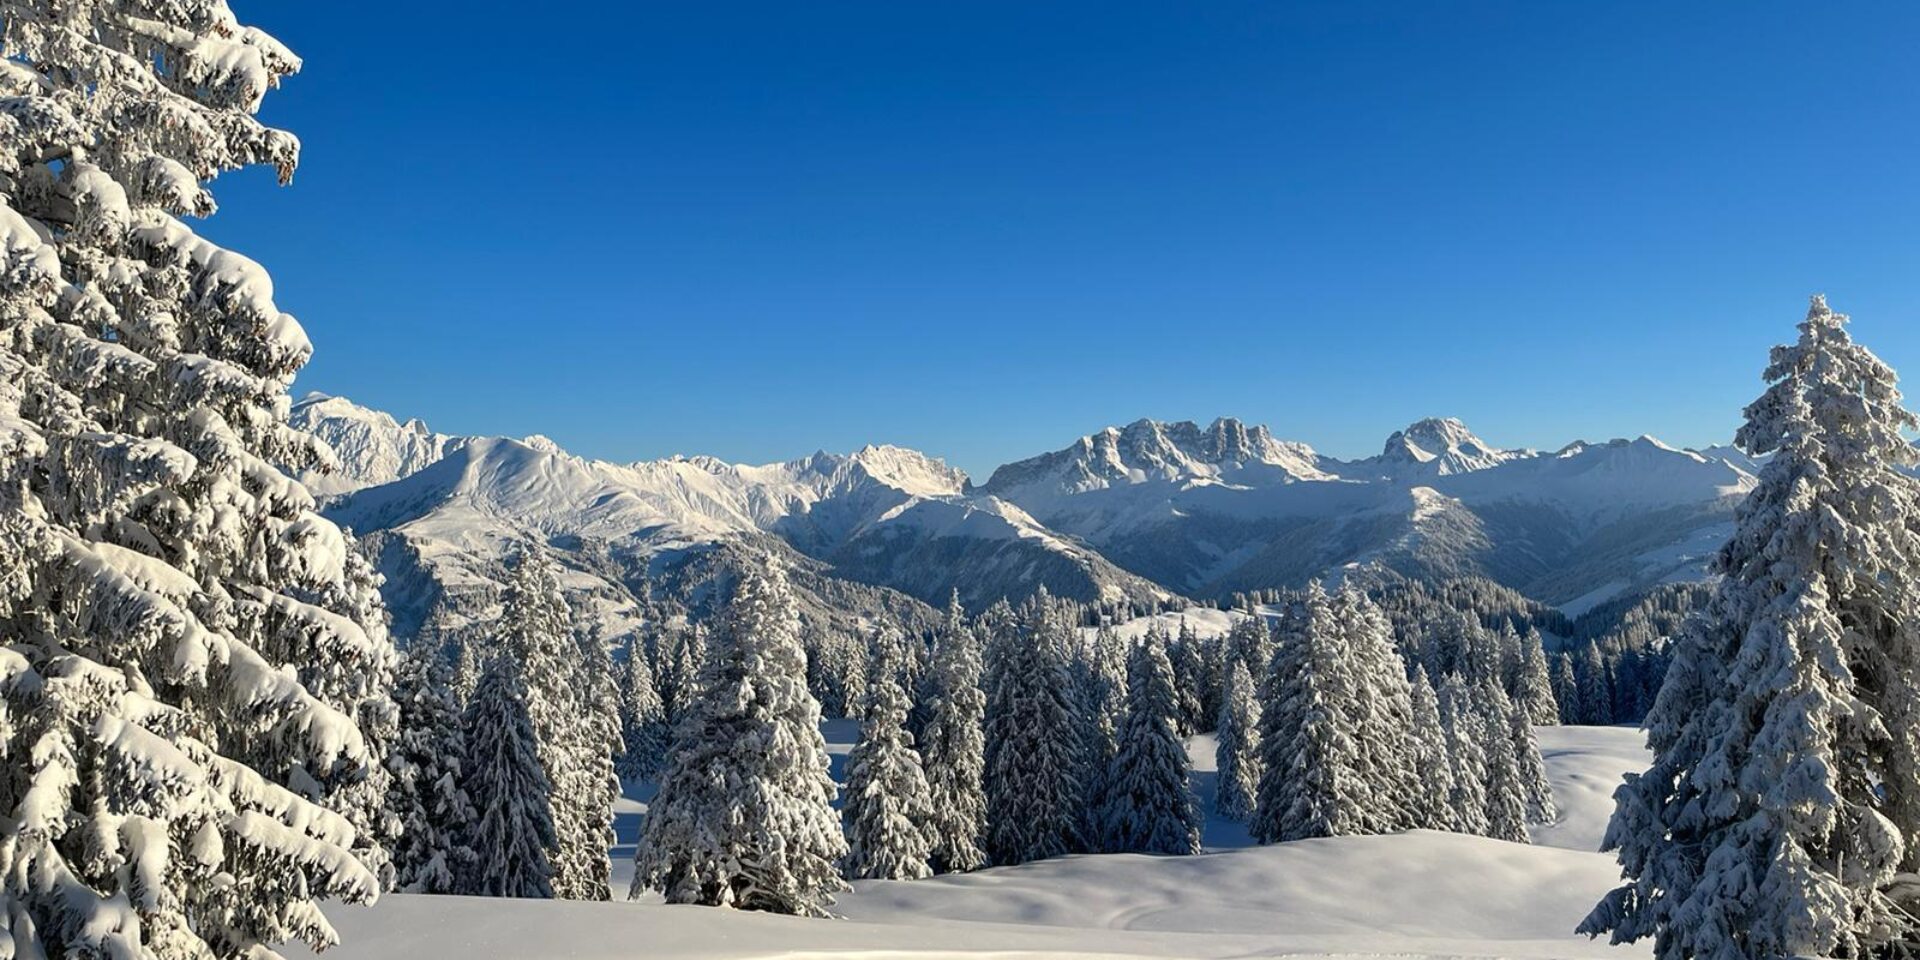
x=1566, y=689
x=1237, y=752
x=1189, y=673
x=1776, y=810
x=1382, y=712
x=744, y=816
x=1313, y=782
x=196, y=671
x=1596, y=688
x=954, y=753
x=1149, y=805
x=1432, y=758
x=503, y=777
x=1036, y=773
x=427, y=797
x=1467, y=737
x=1533, y=687
x=643, y=720
x=568, y=701
x=1506, y=792
x=1531, y=769
x=887, y=806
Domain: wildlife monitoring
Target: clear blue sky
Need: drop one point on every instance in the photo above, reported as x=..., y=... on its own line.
x=983, y=229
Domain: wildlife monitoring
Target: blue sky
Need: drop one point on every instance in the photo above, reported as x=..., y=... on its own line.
x=982, y=229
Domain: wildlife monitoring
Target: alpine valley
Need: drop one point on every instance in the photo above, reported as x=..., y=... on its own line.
x=1149, y=515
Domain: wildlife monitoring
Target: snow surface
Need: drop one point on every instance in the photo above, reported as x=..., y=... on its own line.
x=1414, y=895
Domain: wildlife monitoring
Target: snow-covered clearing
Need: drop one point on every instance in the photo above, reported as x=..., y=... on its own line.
x=1416, y=895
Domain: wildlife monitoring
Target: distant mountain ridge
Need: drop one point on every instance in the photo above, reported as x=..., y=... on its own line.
x=1141, y=513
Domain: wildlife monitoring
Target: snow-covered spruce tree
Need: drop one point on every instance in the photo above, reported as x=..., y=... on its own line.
x=1533, y=687
x=1148, y=806
x=887, y=806
x=744, y=817
x=188, y=648
x=954, y=753
x=1036, y=772
x=503, y=777
x=1777, y=807
x=643, y=719
x=568, y=701
x=1566, y=688
x=1101, y=673
x=680, y=664
x=1596, y=688
x=1313, y=780
x=1530, y=767
x=1382, y=702
x=426, y=796
x=1237, y=752
x=1432, y=759
x=1466, y=744
x=1251, y=642
x=1507, y=793
x=1189, y=675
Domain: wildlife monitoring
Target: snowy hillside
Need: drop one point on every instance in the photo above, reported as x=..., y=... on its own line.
x=1414, y=895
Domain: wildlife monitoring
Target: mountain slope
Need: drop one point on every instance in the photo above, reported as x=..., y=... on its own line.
x=1437, y=501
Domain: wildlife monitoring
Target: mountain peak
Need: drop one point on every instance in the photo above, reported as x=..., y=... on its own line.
x=1442, y=446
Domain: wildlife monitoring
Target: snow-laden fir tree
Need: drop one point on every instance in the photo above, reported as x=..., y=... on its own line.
x=643, y=719
x=744, y=817
x=954, y=751
x=1148, y=806
x=1566, y=688
x=1779, y=803
x=190, y=649
x=1237, y=752
x=1535, y=790
x=503, y=777
x=1596, y=688
x=572, y=713
x=1383, y=712
x=1101, y=672
x=1467, y=737
x=1507, y=793
x=427, y=796
x=1313, y=779
x=680, y=665
x=887, y=806
x=1036, y=770
x=1432, y=759
x=1251, y=642
x=1189, y=676
x=1533, y=686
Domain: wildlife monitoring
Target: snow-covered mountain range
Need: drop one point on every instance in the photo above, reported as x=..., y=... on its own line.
x=1149, y=511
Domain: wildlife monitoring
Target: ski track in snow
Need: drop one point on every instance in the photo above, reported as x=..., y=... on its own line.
x=1420, y=895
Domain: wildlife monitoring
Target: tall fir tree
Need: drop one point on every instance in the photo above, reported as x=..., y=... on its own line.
x=1237, y=752
x=643, y=719
x=427, y=797
x=1566, y=688
x=1383, y=712
x=1778, y=806
x=503, y=776
x=1313, y=782
x=744, y=817
x=954, y=753
x=1533, y=687
x=1507, y=793
x=196, y=669
x=1531, y=768
x=1433, y=758
x=1467, y=737
x=887, y=806
x=1036, y=769
x=1149, y=806
x=567, y=700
